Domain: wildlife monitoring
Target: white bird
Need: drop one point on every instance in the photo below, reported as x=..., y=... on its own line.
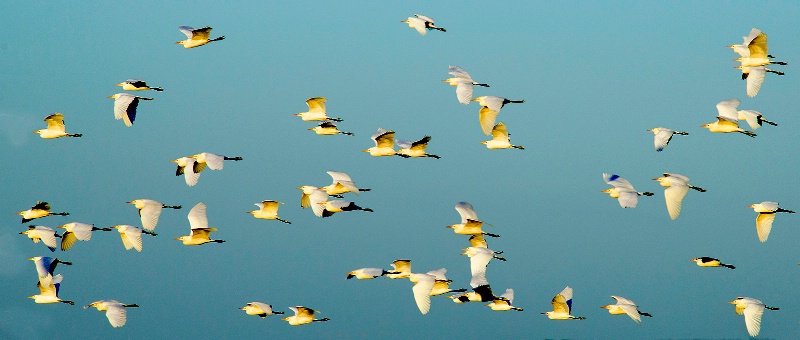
x=49, y=294
x=562, y=306
x=316, y=110
x=268, y=210
x=137, y=85
x=384, y=143
x=342, y=183
x=706, y=261
x=196, y=36
x=259, y=308
x=55, y=128
x=422, y=23
x=214, y=162
x=625, y=306
x=149, y=211
x=414, y=149
x=754, y=118
x=75, y=231
x=198, y=221
x=623, y=191
x=504, y=302
x=335, y=206
x=186, y=167
x=766, y=215
x=494, y=104
x=663, y=136
x=677, y=186
x=479, y=259
x=752, y=310
x=132, y=236
x=116, y=312
x=302, y=316
x=728, y=119
x=41, y=233
x=39, y=210
x=328, y=128
x=401, y=269
x=45, y=267
x=366, y=273
x=423, y=285
x=463, y=83
x=125, y=107
x=500, y=138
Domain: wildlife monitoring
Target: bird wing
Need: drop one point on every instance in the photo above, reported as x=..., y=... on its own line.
x=674, y=197
x=303, y=312
x=438, y=273
x=494, y=103
x=751, y=117
x=82, y=231
x=487, y=117
x=458, y=72
x=373, y=271
x=55, y=122
x=758, y=46
x=631, y=310
x=202, y=233
x=750, y=37
x=421, y=144
x=622, y=300
x=269, y=206
x=197, y=216
x=617, y=182
x=403, y=144
x=755, y=79
x=752, y=317
x=149, y=215
x=464, y=91
x=201, y=33
x=727, y=110
x=116, y=313
x=500, y=132
x=187, y=30
x=131, y=239
x=428, y=19
x=215, y=162
x=562, y=302
x=662, y=138
x=385, y=140
x=42, y=269
x=466, y=211
x=339, y=176
x=316, y=104
x=68, y=239
x=628, y=198
x=315, y=199
x=422, y=291
x=479, y=280
x=189, y=174
x=508, y=295
x=478, y=241
x=479, y=261
x=48, y=237
x=402, y=266
x=136, y=82
x=418, y=24
x=764, y=225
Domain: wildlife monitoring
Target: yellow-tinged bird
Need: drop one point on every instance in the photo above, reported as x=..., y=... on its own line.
x=752, y=310
x=493, y=104
x=137, y=85
x=402, y=269
x=259, y=308
x=316, y=110
x=706, y=261
x=302, y=316
x=625, y=306
x=268, y=210
x=41, y=233
x=366, y=273
x=728, y=119
x=328, y=128
x=422, y=23
x=415, y=149
x=384, y=143
x=116, y=312
x=500, y=139
x=55, y=128
x=49, y=294
x=196, y=36
x=463, y=83
x=663, y=136
x=677, y=186
x=75, y=231
x=503, y=302
x=766, y=215
x=39, y=210
x=562, y=306
x=198, y=221
x=132, y=236
x=150, y=211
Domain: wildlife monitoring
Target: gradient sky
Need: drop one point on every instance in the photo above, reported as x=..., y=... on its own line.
x=595, y=77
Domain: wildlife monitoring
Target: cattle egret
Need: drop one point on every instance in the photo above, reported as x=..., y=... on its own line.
x=342, y=183
x=137, y=85
x=328, y=128
x=77, y=231
x=500, y=138
x=332, y=207
x=562, y=306
x=132, y=236
x=663, y=136
x=423, y=285
x=402, y=269
x=196, y=36
x=42, y=233
x=302, y=316
x=422, y=23
x=706, y=261
x=625, y=306
x=268, y=210
x=45, y=267
x=766, y=215
x=39, y=210
x=366, y=273
x=259, y=308
x=214, y=162
x=149, y=211
x=479, y=259
x=115, y=311
x=753, y=118
x=623, y=191
x=49, y=294
x=384, y=143
x=494, y=104
x=186, y=167
x=471, y=227
x=755, y=78
x=752, y=310
x=316, y=110
x=463, y=83
x=757, y=52
x=503, y=302
x=415, y=149
x=198, y=221
x=125, y=107
x=677, y=186
x=728, y=119
x=55, y=128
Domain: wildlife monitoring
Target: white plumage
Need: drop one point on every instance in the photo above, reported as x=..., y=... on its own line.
x=752, y=310
x=116, y=312
x=196, y=36
x=662, y=136
x=125, y=107
x=677, y=186
x=623, y=191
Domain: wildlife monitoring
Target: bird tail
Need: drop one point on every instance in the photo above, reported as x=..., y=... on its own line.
x=157, y=89
x=646, y=193
x=149, y=233
x=749, y=133
x=518, y=147
x=645, y=314
x=172, y=206
x=697, y=188
x=681, y=133
x=74, y=134
x=784, y=210
x=768, y=122
x=237, y=158
x=347, y=133
x=433, y=156
x=284, y=221
x=60, y=213
x=215, y=39
x=771, y=308
x=727, y=266
x=490, y=234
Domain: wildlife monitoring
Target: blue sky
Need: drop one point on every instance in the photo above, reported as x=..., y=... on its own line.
x=595, y=77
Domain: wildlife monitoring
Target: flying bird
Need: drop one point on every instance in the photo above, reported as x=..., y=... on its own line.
x=214, y=162
x=479, y=259
x=259, y=308
x=186, y=167
x=49, y=294
x=116, y=312
x=728, y=119
x=500, y=138
x=196, y=36
x=198, y=221
x=422, y=23
x=754, y=51
x=663, y=136
x=490, y=108
x=316, y=110
x=132, y=236
x=366, y=273
x=623, y=191
x=137, y=85
x=625, y=306
x=503, y=302
x=45, y=267
x=415, y=149
x=39, y=210
x=125, y=107
x=766, y=215
x=384, y=143
x=752, y=310
x=41, y=233
x=463, y=83
x=55, y=128
x=335, y=206
x=401, y=269
x=706, y=261
x=423, y=285
x=302, y=316
x=754, y=118
x=677, y=186
x=328, y=128
x=149, y=211
x=75, y=231
x=470, y=227
x=268, y=210
x=562, y=306
x=342, y=183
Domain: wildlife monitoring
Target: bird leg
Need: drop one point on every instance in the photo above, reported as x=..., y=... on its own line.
x=232, y=158
x=171, y=206
x=748, y=133
x=697, y=188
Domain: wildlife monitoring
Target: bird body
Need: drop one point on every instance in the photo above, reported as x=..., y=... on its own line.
x=503, y=302
x=137, y=85
x=623, y=191
x=677, y=186
x=471, y=227
x=415, y=149
x=728, y=119
x=663, y=136
x=625, y=306
x=55, y=128
x=149, y=211
x=752, y=310
x=328, y=128
x=766, y=215
x=259, y=308
x=132, y=236
x=342, y=184
x=196, y=36
x=500, y=138
x=268, y=210
x=49, y=294
x=335, y=206
x=302, y=316
x=384, y=143
x=366, y=273
x=75, y=231
x=116, y=312
x=562, y=306
x=199, y=233
x=422, y=23
x=41, y=233
x=125, y=107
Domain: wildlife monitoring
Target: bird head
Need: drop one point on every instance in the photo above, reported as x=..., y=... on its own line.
x=180, y=42
x=38, y=132
x=695, y=260
x=706, y=126
x=654, y=130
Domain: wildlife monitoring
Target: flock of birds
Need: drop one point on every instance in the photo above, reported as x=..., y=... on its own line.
x=753, y=59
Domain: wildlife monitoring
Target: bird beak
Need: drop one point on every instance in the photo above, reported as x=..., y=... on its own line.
x=297, y=114
x=364, y=150
x=446, y=80
x=310, y=129
x=450, y=226
x=174, y=161
x=22, y=232
x=732, y=302
x=120, y=84
x=62, y=227
x=32, y=259
x=241, y=308
x=177, y=239
x=750, y=206
x=178, y=42
x=111, y=96
x=657, y=179
x=607, y=190
x=35, y=132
